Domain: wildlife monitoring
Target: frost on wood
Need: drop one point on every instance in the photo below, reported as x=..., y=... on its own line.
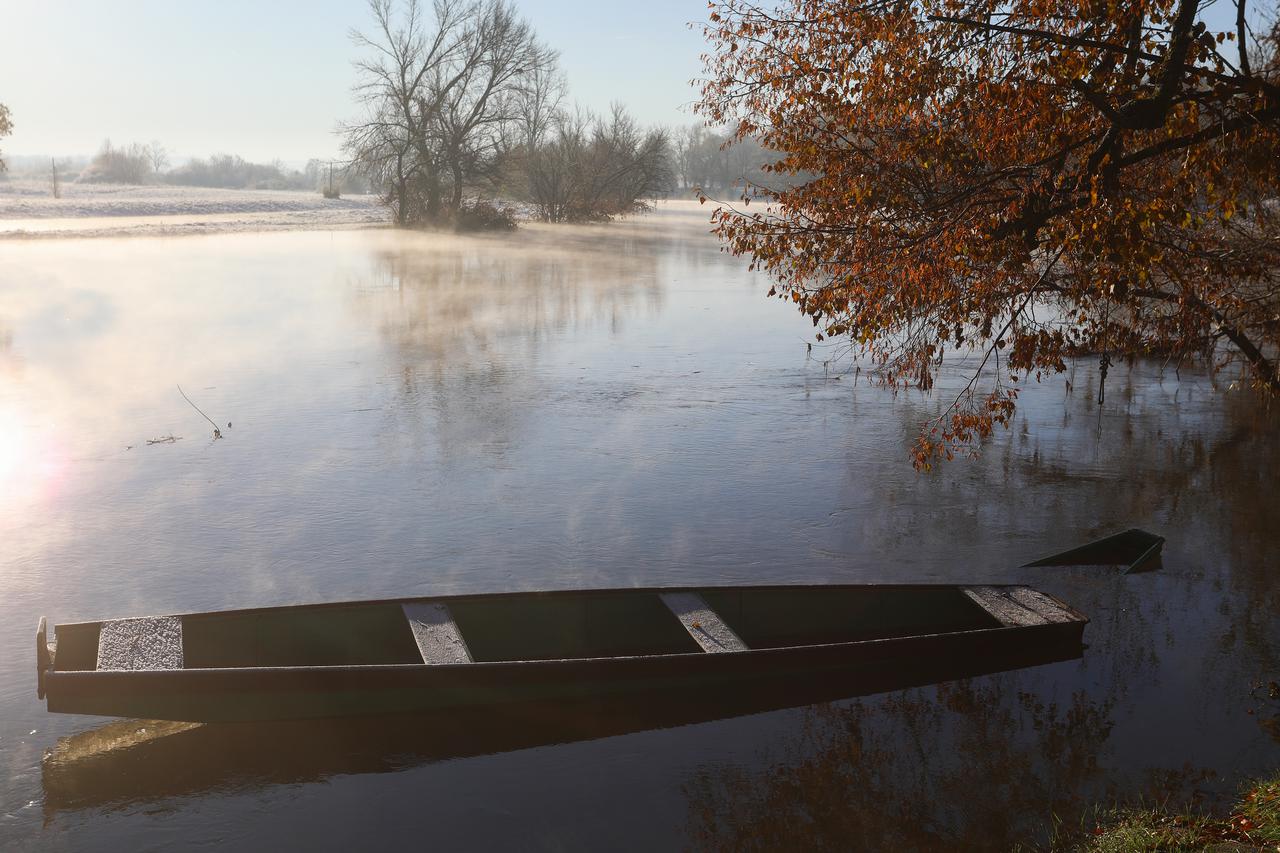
x=135, y=644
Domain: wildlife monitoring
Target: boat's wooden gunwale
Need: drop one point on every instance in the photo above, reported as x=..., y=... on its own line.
x=610, y=591
x=1076, y=615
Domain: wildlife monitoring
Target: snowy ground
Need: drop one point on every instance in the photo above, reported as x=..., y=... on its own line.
x=28, y=209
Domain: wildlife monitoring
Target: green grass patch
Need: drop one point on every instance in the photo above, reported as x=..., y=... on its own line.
x=1254, y=824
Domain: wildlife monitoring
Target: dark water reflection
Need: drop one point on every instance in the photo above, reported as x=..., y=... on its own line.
x=595, y=407
x=130, y=761
x=888, y=776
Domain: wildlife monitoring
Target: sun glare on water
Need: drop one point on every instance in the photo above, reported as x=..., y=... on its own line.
x=11, y=446
x=29, y=462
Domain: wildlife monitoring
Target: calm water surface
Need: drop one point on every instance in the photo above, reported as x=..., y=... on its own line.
x=585, y=407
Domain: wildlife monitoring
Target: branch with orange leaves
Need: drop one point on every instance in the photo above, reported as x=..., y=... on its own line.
x=997, y=409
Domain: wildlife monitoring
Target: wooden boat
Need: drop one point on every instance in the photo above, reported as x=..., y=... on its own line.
x=432, y=654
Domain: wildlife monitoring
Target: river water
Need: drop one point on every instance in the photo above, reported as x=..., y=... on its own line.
x=406, y=414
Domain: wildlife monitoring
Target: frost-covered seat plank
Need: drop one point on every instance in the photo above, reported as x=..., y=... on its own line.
x=140, y=644
x=438, y=637
x=703, y=624
x=1017, y=606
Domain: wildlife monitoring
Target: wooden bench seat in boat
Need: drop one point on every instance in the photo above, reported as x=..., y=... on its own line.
x=703, y=624
x=153, y=642
x=437, y=635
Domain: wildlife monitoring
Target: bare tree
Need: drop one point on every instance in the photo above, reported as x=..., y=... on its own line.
x=591, y=168
x=117, y=165
x=553, y=166
x=539, y=104
x=6, y=128
x=158, y=157
x=392, y=142
x=683, y=142
x=711, y=160
x=442, y=92
x=486, y=97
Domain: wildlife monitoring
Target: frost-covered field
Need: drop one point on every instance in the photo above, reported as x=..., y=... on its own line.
x=28, y=209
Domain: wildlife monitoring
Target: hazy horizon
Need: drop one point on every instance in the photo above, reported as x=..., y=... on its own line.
x=272, y=83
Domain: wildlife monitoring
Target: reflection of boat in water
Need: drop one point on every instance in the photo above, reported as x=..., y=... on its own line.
x=432, y=654
x=132, y=761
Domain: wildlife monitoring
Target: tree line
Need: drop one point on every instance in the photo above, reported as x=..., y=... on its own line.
x=463, y=102
x=564, y=176
x=137, y=163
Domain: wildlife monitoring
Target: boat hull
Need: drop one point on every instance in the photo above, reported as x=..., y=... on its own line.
x=282, y=693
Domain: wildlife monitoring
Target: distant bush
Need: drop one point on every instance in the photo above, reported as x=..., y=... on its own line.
x=140, y=164
x=230, y=171
x=484, y=216
x=111, y=165
x=36, y=167
x=588, y=169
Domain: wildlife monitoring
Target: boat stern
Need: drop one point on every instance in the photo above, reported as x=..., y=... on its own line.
x=44, y=656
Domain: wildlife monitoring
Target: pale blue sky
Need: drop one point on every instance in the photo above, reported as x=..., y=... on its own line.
x=269, y=79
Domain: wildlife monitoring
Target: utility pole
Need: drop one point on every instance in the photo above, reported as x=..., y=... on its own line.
x=330, y=192
x=53, y=167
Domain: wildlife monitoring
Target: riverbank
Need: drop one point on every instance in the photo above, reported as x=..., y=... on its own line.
x=1253, y=824
x=29, y=210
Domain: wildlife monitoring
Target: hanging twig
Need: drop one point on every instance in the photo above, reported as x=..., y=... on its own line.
x=217, y=433
x=1103, y=364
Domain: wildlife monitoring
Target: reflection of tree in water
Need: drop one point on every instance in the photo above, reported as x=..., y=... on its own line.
x=468, y=319
x=1180, y=459
x=10, y=362
x=1160, y=696
x=1241, y=474
x=467, y=308
x=969, y=765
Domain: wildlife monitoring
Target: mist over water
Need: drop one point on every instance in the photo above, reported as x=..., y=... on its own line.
x=598, y=406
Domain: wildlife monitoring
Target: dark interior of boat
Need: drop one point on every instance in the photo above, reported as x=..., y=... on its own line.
x=550, y=626
x=570, y=626
x=776, y=618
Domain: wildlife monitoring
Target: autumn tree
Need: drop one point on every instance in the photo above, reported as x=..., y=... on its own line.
x=1030, y=181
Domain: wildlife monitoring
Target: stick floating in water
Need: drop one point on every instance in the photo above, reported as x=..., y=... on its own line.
x=217, y=433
